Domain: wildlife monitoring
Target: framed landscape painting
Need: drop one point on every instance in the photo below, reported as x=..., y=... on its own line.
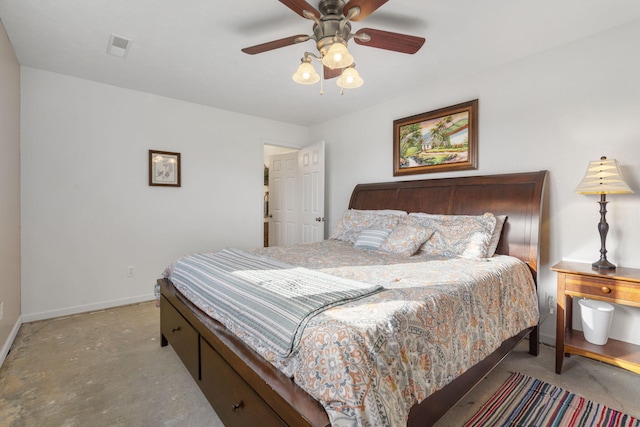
x=164, y=168
x=438, y=141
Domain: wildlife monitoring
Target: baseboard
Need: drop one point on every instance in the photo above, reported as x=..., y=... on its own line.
x=85, y=308
x=12, y=336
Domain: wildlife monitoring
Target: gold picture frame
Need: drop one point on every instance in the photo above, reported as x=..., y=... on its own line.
x=437, y=141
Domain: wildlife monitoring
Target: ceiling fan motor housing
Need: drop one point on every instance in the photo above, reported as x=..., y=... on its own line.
x=329, y=25
x=331, y=7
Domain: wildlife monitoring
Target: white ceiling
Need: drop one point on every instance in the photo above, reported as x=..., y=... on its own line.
x=190, y=49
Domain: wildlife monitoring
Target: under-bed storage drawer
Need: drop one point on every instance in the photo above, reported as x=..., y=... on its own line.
x=233, y=400
x=181, y=335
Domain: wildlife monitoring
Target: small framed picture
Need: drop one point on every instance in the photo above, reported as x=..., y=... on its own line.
x=438, y=141
x=164, y=168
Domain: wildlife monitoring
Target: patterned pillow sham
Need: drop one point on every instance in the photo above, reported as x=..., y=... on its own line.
x=406, y=239
x=465, y=236
x=372, y=238
x=353, y=222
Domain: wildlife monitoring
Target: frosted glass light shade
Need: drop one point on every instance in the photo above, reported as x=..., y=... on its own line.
x=338, y=56
x=306, y=74
x=350, y=79
x=603, y=177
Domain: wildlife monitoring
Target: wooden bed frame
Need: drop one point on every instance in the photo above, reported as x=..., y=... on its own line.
x=244, y=389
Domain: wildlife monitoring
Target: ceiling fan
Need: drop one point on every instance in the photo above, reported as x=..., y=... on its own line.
x=331, y=32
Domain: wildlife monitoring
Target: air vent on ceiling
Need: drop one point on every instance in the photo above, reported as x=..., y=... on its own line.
x=118, y=46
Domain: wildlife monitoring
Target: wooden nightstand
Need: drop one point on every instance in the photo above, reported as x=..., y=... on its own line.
x=620, y=286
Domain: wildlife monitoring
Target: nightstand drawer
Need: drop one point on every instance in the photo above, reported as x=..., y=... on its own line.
x=608, y=289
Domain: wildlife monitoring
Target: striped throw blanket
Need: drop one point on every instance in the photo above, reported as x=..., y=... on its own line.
x=269, y=299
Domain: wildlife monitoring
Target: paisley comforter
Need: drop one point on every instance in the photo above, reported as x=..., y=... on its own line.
x=369, y=361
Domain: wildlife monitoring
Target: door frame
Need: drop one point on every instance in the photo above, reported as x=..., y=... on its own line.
x=320, y=226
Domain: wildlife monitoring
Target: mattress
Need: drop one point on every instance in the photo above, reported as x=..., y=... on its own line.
x=368, y=361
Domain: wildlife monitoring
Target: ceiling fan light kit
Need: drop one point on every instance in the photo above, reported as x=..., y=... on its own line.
x=306, y=74
x=337, y=56
x=331, y=32
x=349, y=79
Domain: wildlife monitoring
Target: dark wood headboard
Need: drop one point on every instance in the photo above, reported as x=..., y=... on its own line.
x=518, y=195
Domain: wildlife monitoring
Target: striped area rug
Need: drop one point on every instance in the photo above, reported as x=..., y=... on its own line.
x=525, y=401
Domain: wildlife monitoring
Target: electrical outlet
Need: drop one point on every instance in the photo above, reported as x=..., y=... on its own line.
x=131, y=271
x=550, y=303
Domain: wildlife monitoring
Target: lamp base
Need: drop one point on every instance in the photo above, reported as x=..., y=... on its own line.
x=603, y=264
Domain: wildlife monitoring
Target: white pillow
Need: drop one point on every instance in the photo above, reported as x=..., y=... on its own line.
x=495, y=237
x=382, y=211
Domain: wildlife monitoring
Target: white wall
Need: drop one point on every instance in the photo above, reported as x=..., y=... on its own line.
x=87, y=210
x=9, y=194
x=556, y=110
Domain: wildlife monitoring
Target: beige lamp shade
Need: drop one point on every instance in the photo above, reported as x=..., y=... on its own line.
x=306, y=74
x=603, y=177
x=338, y=56
x=350, y=79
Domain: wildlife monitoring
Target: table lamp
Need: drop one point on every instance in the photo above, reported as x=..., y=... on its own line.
x=603, y=177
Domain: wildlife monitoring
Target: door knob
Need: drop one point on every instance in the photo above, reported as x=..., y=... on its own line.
x=320, y=219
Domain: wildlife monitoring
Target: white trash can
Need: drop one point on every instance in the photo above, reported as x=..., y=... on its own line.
x=596, y=320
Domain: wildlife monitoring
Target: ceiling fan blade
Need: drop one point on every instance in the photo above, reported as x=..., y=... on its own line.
x=275, y=44
x=367, y=7
x=390, y=41
x=331, y=74
x=298, y=6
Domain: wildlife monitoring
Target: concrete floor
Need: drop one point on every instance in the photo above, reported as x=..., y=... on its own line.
x=107, y=369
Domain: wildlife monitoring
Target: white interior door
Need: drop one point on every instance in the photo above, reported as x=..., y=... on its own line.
x=283, y=210
x=311, y=173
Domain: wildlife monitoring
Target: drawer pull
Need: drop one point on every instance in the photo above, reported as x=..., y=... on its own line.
x=175, y=329
x=236, y=406
x=605, y=290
